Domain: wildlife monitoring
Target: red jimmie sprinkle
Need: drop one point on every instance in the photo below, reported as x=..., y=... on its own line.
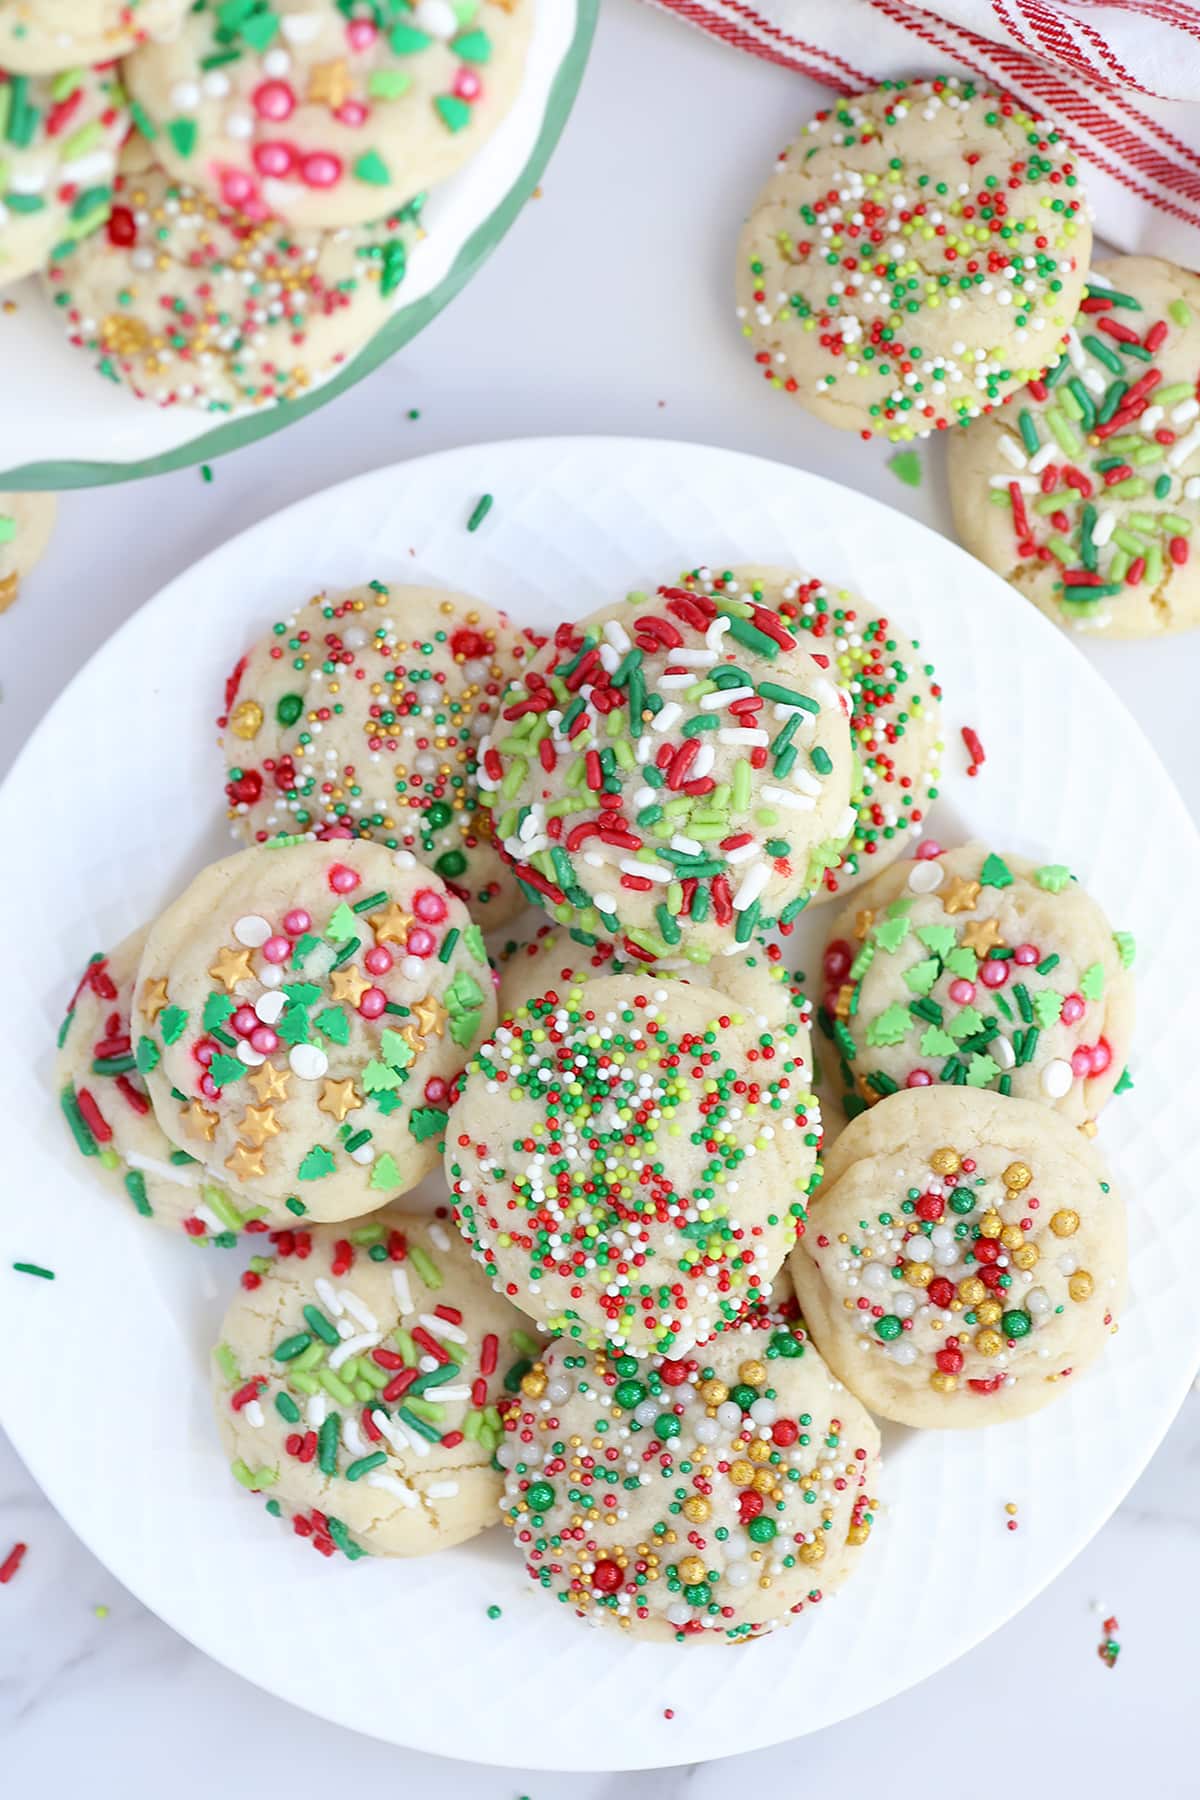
x=12, y=1563
x=975, y=749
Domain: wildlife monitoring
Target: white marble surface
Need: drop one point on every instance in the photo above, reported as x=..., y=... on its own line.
x=606, y=310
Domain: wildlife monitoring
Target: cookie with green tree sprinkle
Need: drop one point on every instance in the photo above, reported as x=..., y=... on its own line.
x=709, y=1496
x=361, y=1388
x=103, y=1099
x=965, y=1258
x=39, y=37
x=59, y=138
x=362, y=711
x=917, y=255
x=300, y=1016
x=968, y=968
x=1085, y=492
x=26, y=522
x=630, y=1162
x=323, y=113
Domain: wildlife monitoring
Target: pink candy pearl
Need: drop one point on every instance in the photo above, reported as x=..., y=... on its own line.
x=1073, y=1008
x=436, y=1090
x=379, y=960
x=204, y=1052
x=277, y=949
x=429, y=906
x=372, y=1003
x=994, y=974
x=237, y=187
x=352, y=112
x=296, y=921
x=208, y=1087
x=927, y=849
x=341, y=879
x=420, y=942
x=1026, y=955
x=264, y=1040
x=1101, y=1056
x=1081, y=1061
x=962, y=992
x=467, y=85
x=918, y=1078
x=244, y=1020
x=274, y=100
x=321, y=169
x=360, y=34
x=273, y=159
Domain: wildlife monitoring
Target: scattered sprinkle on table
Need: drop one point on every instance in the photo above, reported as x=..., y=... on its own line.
x=906, y=467
x=12, y=1563
x=1011, y=1509
x=668, y=1712
x=975, y=749
x=34, y=1269
x=493, y=1612
x=414, y=412
x=1107, y=1649
x=206, y=473
x=101, y=1612
x=482, y=509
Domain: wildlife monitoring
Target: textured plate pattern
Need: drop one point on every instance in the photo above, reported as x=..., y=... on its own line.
x=101, y=1371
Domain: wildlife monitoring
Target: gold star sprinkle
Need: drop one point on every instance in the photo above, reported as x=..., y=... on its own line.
x=348, y=984
x=270, y=1083
x=863, y=921
x=245, y=1162
x=231, y=967
x=393, y=922
x=154, y=998
x=199, y=1121
x=8, y=591
x=960, y=896
x=412, y=1037
x=338, y=1098
x=982, y=935
x=257, y=1124
x=431, y=1016
x=329, y=82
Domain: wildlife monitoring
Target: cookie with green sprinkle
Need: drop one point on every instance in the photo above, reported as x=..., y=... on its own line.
x=361, y=1383
x=39, y=37
x=916, y=256
x=1085, y=492
x=706, y=1497
x=59, y=138
x=26, y=522
x=966, y=968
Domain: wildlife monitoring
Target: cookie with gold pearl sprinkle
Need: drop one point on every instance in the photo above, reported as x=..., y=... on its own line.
x=705, y=1497
x=361, y=713
x=965, y=1259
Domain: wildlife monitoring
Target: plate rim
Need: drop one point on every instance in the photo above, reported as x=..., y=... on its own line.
x=550, y=448
x=62, y=475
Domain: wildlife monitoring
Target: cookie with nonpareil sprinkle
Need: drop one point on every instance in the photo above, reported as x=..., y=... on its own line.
x=59, y=138
x=360, y=1383
x=362, y=711
x=673, y=772
x=104, y=1101
x=40, y=36
x=917, y=254
x=895, y=714
x=26, y=522
x=300, y=1015
x=965, y=1258
x=325, y=114
x=190, y=305
x=705, y=1498
x=968, y=968
x=630, y=1162
x=1085, y=492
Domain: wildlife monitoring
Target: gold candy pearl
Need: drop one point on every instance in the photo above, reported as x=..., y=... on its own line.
x=741, y=1473
x=971, y=1291
x=533, y=1385
x=1065, y=1222
x=988, y=1343
x=696, y=1509
x=991, y=1225
x=1012, y=1237
x=1080, y=1285
x=858, y=1534
x=918, y=1274
x=943, y=1383
x=713, y=1392
x=246, y=719
x=758, y=1451
x=692, y=1570
x=945, y=1162
x=1017, y=1176
x=753, y=1373
x=989, y=1312
x=813, y=1552
x=764, y=1481
x=1026, y=1257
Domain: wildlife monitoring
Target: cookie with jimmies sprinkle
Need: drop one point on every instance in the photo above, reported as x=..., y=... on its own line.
x=326, y=114
x=59, y=139
x=673, y=772
x=41, y=36
x=966, y=968
x=1085, y=492
x=361, y=1382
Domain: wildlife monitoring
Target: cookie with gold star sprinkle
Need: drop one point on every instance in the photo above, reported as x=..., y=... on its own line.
x=26, y=522
x=361, y=713
x=104, y=1101
x=705, y=1497
x=673, y=772
x=325, y=114
x=39, y=37
x=966, y=968
x=187, y=304
x=361, y=1383
x=59, y=139
x=917, y=255
x=300, y=1016
x=965, y=1258
x=1085, y=492
x=630, y=1161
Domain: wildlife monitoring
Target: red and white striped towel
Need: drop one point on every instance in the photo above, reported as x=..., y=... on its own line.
x=1121, y=79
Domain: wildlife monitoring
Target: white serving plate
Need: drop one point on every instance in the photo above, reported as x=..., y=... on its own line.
x=102, y=1371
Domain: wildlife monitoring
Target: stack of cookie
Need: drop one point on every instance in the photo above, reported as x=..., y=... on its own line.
x=595, y=1334
x=222, y=199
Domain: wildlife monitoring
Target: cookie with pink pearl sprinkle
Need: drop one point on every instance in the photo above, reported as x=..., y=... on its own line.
x=323, y=114
x=300, y=1015
x=970, y=968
